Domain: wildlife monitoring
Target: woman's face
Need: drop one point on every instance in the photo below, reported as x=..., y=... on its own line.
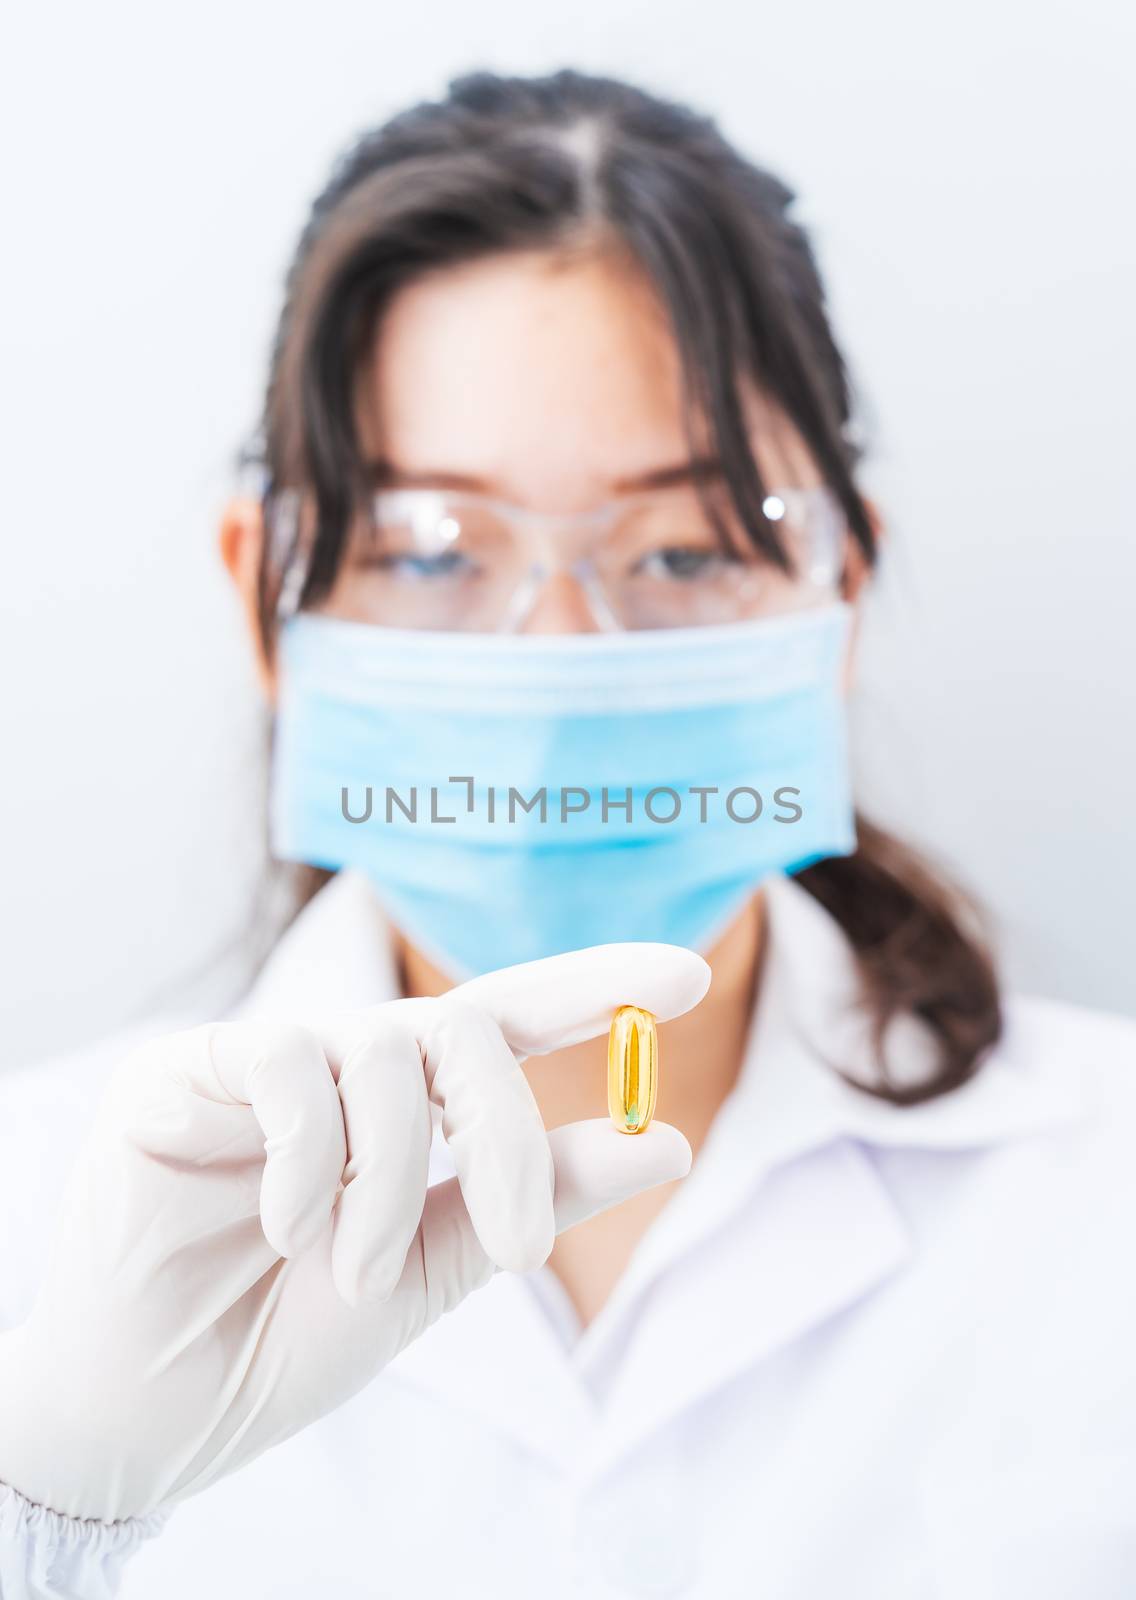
x=549, y=381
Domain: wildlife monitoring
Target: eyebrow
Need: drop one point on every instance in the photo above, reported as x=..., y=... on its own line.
x=697, y=469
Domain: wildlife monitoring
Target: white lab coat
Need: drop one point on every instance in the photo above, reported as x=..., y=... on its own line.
x=864, y=1351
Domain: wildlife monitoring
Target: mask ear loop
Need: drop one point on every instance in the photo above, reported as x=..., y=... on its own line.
x=280, y=518
x=282, y=523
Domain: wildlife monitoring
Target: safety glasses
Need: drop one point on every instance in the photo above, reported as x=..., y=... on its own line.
x=436, y=559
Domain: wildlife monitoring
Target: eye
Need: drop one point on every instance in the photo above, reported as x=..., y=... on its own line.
x=419, y=568
x=684, y=564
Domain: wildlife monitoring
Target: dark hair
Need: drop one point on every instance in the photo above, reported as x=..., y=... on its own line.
x=556, y=162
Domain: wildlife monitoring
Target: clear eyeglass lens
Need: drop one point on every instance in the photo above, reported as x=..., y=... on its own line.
x=668, y=566
x=429, y=560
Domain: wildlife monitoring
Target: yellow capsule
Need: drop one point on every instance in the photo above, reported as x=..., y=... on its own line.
x=632, y=1069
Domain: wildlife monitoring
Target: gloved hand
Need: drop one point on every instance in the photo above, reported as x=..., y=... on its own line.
x=247, y=1237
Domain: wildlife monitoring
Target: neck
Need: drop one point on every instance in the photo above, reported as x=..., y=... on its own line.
x=700, y=1054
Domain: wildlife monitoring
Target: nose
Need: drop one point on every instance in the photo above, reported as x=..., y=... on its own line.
x=560, y=606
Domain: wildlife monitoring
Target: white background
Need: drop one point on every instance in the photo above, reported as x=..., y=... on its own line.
x=969, y=172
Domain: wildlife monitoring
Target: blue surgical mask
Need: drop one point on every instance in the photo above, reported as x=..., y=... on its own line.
x=679, y=768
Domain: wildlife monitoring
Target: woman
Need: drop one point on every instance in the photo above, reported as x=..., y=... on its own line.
x=552, y=583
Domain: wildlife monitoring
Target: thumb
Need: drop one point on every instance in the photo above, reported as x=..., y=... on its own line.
x=595, y=1167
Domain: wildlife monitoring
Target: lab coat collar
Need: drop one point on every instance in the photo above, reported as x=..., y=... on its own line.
x=812, y=1043
x=785, y=1220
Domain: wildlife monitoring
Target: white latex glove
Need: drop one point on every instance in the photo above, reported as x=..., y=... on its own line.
x=247, y=1237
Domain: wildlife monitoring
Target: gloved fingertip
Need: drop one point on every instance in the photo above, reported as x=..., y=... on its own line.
x=348, y=1293
x=375, y=1289
x=598, y=1167
x=526, y=1248
x=294, y=1236
x=365, y=1280
x=672, y=1149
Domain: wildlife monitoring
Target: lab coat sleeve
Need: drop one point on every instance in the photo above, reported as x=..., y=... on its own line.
x=46, y=1556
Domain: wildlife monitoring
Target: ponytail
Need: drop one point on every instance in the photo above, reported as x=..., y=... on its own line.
x=916, y=954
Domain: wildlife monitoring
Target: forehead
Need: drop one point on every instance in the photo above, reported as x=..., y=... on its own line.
x=550, y=376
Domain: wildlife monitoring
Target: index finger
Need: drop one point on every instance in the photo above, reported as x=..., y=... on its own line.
x=559, y=1000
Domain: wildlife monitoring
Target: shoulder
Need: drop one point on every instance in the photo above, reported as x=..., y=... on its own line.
x=1089, y=1054
x=1046, y=1187
x=1084, y=1171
